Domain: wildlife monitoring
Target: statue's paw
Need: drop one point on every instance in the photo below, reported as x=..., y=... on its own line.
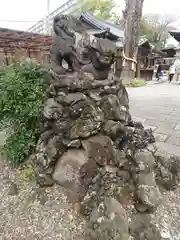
x=59, y=70
x=70, y=70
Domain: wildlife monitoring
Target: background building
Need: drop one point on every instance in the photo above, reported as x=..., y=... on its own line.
x=44, y=26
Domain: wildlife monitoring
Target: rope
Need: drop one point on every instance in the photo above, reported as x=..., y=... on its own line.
x=133, y=61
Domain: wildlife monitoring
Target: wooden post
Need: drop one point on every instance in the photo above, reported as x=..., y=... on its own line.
x=138, y=66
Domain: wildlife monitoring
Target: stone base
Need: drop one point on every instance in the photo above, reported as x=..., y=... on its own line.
x=90, y=145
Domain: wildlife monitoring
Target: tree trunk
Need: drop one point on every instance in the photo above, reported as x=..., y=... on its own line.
x=132, y=16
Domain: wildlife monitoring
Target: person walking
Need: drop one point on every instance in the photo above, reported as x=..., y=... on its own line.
x=172, y=71
x=158, y=73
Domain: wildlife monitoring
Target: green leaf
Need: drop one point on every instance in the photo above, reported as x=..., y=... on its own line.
x=22, y=93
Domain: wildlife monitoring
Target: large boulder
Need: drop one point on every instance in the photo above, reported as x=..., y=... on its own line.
x=168, y=171
x=88, y=123
x=52, y=109
x=70, y=99
x=108, y=221
x=100, y=149
x=114, y=129
x=141, y=228
x=68, y=172
x=147, y=192
x=113, y=109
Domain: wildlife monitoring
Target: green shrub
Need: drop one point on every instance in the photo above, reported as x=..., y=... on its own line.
x=22, y=92
x=28, y=173
x=136, y=83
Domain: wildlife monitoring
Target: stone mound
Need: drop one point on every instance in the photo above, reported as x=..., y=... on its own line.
x=90, y=145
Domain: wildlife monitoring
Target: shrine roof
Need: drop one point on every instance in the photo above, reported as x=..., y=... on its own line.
x=115, y=30
x=19, y=39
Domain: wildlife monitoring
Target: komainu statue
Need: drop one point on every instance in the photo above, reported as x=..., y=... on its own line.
x=63, y=47
x=99, y=53
x=101, y=61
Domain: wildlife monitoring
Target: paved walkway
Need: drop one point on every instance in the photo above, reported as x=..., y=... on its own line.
x=158, y=106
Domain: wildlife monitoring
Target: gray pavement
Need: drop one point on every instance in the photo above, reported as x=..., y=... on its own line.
x=157, y=106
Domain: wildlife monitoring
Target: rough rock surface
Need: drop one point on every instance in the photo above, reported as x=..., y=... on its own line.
x=67, y=171
x=90, y=145
x=141, y=228
x=168, y=171
x=147, y=192
x=108, y=221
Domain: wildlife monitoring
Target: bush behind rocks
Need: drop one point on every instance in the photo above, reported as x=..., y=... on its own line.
x=22, y=93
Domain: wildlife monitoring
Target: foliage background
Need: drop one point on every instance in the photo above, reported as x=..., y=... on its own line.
x=22, y=93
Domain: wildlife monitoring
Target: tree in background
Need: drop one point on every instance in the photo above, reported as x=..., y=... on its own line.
x=132, y=19
x=100, y=8
x=156, y=27
x=147, y=30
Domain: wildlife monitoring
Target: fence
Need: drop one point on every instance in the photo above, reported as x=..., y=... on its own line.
x=10, y=56
x=15, y=45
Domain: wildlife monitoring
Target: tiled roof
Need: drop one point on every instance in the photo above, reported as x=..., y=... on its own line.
x=19, y=39
x=96, y=23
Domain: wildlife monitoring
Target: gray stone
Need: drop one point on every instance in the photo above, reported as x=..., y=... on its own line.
x=108, y=221
x=123, y=97
x=113, y=109
x=52, y=109
x=68, y=172
x=104, y=83
x=73, y=98
x=148, y=194
x=100, y=149
x=165, y=178
x=44, y=180
x=94, y=96
x=54, y=148
x=13, y=189
x=76, y=143
x=109, y=90
x=168, y=171
x=121, y=160
x=114, y=128
x=68, y=168
x=45, y=136
x=160, y=137
x=141, y=228
x=89, y=122
x=152, y=148
x=77, y=82
x=145, y=162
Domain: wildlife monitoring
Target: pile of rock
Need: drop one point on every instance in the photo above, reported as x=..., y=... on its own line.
x=90, y=145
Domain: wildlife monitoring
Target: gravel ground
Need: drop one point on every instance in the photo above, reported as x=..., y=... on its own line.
x=35, y=214
x=167, y=216
x=45, y=214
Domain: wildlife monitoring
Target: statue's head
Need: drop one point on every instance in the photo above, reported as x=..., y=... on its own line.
x=59, y=21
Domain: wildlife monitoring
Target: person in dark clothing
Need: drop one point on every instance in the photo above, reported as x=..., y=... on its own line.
x=158, y=72
x=171, y=72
